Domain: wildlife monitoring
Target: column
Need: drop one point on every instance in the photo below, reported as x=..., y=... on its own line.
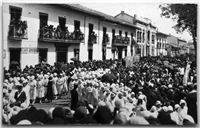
x=150, y=42
x=145, y=42
x=134, y=49
x=129, y=47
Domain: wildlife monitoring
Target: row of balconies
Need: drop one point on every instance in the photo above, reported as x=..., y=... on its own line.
x=51, y=34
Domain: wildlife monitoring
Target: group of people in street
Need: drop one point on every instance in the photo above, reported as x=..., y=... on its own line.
x=150, y=92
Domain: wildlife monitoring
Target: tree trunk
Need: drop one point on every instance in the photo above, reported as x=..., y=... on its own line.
x=194, y=43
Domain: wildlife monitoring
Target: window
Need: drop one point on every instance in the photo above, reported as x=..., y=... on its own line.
x=120, y=32
x=62, y=22
x=15, y=13
x=126, y=34
x=76, y=25
x=143, y=36
x=90, y=28
x=131, y=35
x=104, y=31
x=113, y=32
x=43, y=19
x=76, y=53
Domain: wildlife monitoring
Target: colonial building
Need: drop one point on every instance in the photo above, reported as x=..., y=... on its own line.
x=182, y=44
x=161, y=44
x=59, y=32
x=172, y=45
x=145, y=34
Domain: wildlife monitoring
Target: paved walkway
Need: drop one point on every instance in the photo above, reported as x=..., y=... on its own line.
x=63, y=102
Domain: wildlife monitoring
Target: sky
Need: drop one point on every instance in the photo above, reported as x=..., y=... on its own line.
x=148, y=10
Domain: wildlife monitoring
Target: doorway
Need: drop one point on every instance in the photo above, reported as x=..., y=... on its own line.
x=61, y=56
x=43, y=55
x=90, y=51
x=15, y=54
x=119, y=53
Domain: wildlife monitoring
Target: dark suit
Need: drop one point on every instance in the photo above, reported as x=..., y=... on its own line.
x=191, y=100
x=20, y=99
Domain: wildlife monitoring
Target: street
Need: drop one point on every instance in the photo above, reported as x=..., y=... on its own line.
x=63, y=102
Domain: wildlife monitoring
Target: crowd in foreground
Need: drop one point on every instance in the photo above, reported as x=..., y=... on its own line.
x=104, y=92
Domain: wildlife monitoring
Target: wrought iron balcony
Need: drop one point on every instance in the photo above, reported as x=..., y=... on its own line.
x=120, y=41
x=106, y=39
x=92, y=38
x=18, y=30
x=48, y=34
x=133, y=42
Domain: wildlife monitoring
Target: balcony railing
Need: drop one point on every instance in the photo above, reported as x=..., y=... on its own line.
x=57, y=35
x=18, y=30
x=133, y=42
x=121, y=41
x=92, y=38
x=106, y=39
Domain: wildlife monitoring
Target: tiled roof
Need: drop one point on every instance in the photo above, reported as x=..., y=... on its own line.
x=162, y=33
x=103, y=16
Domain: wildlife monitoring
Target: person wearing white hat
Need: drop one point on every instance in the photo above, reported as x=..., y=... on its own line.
x=26, y=90
x=33, y=91
x=65, y=86
x=95, y=95
x=55, y=91
x=46, y=80
x=40, y=88
x=158, y=106
x=182, y=109
x=60, y=84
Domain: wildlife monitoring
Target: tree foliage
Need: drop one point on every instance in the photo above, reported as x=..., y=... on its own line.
x=185, y=15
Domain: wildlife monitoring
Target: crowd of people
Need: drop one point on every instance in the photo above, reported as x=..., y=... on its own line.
x=104, y=92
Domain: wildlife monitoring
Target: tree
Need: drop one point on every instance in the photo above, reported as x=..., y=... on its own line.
x=186, y=17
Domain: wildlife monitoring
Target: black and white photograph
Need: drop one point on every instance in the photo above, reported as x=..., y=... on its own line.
x=100, y=64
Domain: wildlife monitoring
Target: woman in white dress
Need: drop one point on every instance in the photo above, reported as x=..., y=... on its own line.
x=55, y=91
x=26, y=89
x=60, y=84
x=40, y=88
x=33, y=94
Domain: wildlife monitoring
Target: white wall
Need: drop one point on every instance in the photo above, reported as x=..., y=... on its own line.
x=30, y=13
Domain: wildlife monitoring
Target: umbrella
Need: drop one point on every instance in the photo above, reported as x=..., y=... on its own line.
x=166, y=62
x=15, y=62
x=74, y=59
x=108, y=77
x=65, y=67
x=158, y=61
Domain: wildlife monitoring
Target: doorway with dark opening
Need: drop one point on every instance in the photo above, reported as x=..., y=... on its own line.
x=43, y=54
x=62, y=56
x=90, y=51
x=15, y=56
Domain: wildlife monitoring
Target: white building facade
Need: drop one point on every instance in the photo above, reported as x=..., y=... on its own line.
x=57, y=33
x=145, y=33
x=161, y=44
